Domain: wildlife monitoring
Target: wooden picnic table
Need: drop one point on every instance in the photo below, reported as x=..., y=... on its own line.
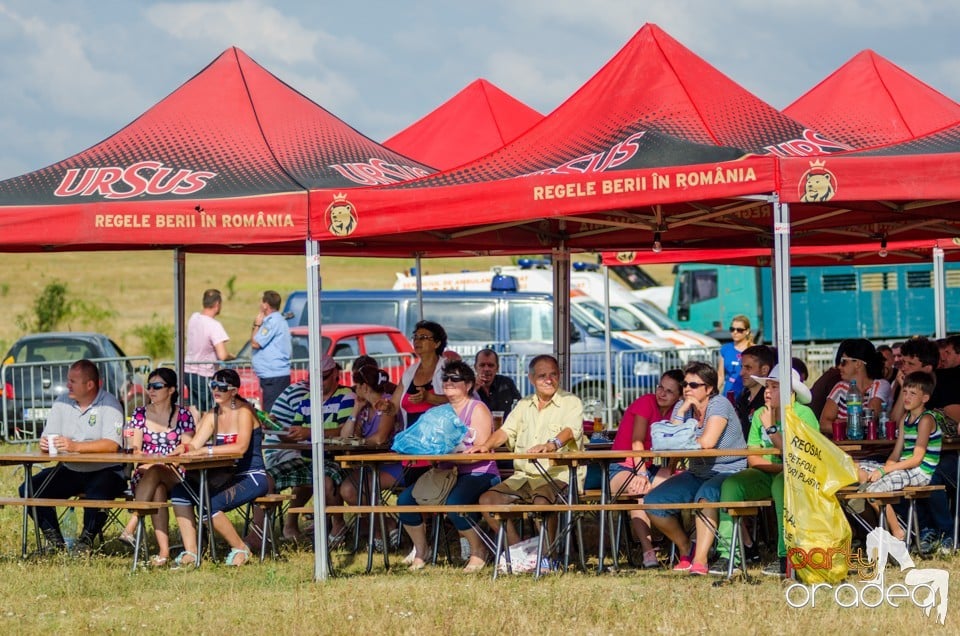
x=200, y=463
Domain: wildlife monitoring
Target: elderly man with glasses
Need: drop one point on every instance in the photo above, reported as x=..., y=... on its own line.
x=548, y=421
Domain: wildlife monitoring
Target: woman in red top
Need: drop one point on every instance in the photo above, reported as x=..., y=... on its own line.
x=636, y=479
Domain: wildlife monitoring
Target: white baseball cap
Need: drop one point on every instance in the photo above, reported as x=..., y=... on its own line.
x=796, y=384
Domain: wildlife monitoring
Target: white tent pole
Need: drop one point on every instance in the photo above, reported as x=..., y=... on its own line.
x=179, y=279
x=781, y=293
x=419, y=286
x=561, y=311
x=939, y=293
x=608, y=364
x=321, y=565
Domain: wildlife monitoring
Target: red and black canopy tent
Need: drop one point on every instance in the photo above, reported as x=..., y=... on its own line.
x=869, y=101
x=656, y=140
x=225, y=160
x=476, y=121
x=223, y=164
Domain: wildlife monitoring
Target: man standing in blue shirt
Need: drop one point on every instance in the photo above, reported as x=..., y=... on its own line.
x=270, y=341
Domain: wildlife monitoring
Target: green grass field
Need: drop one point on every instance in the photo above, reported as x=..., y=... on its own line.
x=99, y=595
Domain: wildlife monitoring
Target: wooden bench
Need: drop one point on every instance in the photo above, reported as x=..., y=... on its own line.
x=852, y=500
x=144, y=508
x=913, y=494
x=269, y=503
x=736, y=509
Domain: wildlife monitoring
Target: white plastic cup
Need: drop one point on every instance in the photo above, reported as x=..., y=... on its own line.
x=52, y=443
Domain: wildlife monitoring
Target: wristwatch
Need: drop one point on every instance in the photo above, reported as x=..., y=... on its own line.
x=773, y=430
x=556, y=442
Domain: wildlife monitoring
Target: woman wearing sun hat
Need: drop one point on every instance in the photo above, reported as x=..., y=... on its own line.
x=764, y=475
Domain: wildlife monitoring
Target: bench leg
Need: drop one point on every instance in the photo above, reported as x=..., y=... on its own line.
x=735, y=543
x=266, y=534
x=541, y=537
x=501, y=540
x=138, y=539
x=911, y=520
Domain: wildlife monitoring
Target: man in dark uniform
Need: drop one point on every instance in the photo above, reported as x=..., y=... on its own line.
x=497, y=391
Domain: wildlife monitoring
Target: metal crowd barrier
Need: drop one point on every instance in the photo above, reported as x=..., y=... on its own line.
x=30, y=388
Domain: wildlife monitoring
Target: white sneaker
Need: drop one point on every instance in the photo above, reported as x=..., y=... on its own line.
x=464, y=549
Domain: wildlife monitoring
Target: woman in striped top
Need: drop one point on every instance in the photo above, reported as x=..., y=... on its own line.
x=917, y=452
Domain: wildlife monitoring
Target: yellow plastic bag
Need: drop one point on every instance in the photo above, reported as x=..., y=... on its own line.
x=815, y=529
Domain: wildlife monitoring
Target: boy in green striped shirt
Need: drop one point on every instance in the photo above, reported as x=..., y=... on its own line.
x=917, y=451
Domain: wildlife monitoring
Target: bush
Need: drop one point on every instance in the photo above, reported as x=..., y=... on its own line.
x=51, y=306
x=156, y=339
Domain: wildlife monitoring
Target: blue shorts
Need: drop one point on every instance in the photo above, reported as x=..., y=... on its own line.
x=684, y=488
x=240, y=490
x=617, y=468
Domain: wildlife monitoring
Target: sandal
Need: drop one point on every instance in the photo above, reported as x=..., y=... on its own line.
x=185, y=559
x=476, y=566
x=418, y=563
x=157, y=561
x=128, y=538
x=235, y=554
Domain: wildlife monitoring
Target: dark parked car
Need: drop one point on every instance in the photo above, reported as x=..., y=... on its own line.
x=34, y=375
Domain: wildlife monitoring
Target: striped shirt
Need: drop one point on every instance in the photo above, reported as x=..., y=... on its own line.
x=910, y=433
x=877, y=389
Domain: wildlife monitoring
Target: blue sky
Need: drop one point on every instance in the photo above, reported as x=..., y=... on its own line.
x=72, y=73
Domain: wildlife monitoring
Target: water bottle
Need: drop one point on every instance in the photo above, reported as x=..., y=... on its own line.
x=68, y=527
x=888, y=427
x=854, y=412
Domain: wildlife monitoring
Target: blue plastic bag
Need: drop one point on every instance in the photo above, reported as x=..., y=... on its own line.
x=436, y=432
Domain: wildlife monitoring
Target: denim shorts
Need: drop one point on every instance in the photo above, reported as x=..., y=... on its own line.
x=684, y=488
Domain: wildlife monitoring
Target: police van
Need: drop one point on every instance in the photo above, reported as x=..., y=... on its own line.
x=517, y=325
x=638, y=320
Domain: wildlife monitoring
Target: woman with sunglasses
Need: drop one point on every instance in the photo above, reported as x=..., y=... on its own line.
x=419, y=388
x=159, y=428
x=717, y=426
x=634, y=434
x=473, y=479
x=729, y=372
x=231, y=427
x=858, y=360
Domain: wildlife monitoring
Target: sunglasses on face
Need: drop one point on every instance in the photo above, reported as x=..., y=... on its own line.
x=452, y=378
x=420, y=336
x=222, y=387
x=660, y=387
x=156, y=386
x=694, y=385
x=738, y=330
x=844, y=361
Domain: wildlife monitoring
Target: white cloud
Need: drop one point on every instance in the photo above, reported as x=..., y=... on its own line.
x=262, y=30
x=250, y=24
x=54, y=67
